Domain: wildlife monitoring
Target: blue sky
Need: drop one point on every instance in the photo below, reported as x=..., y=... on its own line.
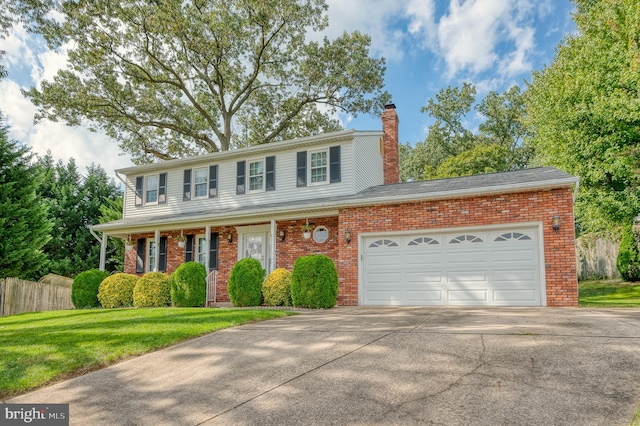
x=428, y=45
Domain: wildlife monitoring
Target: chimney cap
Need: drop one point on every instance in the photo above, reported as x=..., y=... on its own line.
x=390, y=106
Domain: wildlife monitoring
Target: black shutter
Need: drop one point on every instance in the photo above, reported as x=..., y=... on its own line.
x=240, y=180
x=162, y=255
x=334, y=164
x=140, y=256
x=186, y=192
x=139, y=183
x=270, y=180
x=213, y=181
x=302, y=168
x=213, y=251
x=188, y=249
x=162, y=189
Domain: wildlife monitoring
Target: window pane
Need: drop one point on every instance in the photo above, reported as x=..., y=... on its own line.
x=201, y=175
x=318, y=159
x=201, y=189
x=152, y=189
x=255, y=183
x=202, y=250
x=152, y=255
x=319, y=175
x=256, y=175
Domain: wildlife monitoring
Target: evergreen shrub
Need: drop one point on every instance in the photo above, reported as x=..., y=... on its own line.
x=628, y=261
x=276, y=289
x=245, y=283
x=84, y=291
x=189, y=285
x=152, y=290
x=116, y=291
x=314, y=282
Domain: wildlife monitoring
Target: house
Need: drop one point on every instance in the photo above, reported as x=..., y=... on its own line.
x=496, y=239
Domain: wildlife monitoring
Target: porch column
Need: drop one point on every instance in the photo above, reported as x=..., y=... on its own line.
x=103, y=251
x=272, y=257
x=157, y=240
x=207, y=232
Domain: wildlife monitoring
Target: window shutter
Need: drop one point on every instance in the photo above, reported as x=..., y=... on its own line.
x=140, y=256
x=139, y=182
x=334, y=164
x=162, y=255
x=162, y=189
x=213, y=181
x=186, y=193
x=188, y=249
x=270, y=180
x=240, y=177
x=213, y=251
x=302, y=168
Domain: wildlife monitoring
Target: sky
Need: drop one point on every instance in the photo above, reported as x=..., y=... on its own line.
x=428, y=45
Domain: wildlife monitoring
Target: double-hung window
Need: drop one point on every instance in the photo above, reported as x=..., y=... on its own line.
x=151, y=189
x=201, y=182
x=318, y=167
x=256, y=175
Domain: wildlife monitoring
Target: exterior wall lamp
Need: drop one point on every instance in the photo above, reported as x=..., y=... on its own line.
x=347, y=236
x=556, y=223
x=229, y=237
x=281, y=234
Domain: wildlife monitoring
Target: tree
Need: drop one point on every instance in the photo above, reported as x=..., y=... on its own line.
x=111, y=210
x=24, y=227
x=450, y=149
x=175, y=78
x=582, y=111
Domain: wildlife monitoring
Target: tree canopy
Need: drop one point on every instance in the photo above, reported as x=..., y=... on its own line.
x=583, y=111
x=174, y=78
x=451, y=149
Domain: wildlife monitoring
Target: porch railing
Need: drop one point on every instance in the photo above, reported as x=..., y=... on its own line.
x=212, y=279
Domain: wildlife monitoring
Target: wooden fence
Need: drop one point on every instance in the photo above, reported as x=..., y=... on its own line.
x=17, y=296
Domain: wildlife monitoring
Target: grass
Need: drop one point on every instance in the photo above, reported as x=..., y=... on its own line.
x=41, y=347
x=609, y=293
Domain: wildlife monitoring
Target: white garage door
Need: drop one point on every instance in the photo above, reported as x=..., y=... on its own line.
x=495, y=267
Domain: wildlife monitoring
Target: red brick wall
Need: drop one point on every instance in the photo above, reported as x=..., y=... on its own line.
x=559, y=247
x=391, y=159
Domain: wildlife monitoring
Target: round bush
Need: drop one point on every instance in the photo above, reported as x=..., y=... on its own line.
x=189, y=285
x=628, y=261
x=276, y=289
x=116, y=290
x=153, y=289
x=314, y=282
x=84, y=291
x=245, y=283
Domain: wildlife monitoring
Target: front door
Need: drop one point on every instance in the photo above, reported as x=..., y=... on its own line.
x=255, y=246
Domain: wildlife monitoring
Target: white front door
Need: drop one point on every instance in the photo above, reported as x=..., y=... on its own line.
x=255, y=247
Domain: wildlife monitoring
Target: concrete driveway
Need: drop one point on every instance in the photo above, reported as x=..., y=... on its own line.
x=493, y=366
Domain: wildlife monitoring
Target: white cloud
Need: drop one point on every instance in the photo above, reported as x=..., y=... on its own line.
x=422, y=22
x=16, y=44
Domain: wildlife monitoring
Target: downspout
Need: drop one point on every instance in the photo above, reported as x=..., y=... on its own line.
x=272, y=256
x=156, y=236
x=207, y=231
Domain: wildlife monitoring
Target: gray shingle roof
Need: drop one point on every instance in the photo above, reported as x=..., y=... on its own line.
x=494, y=183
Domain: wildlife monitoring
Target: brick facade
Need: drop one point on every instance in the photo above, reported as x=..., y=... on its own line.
x=390, y=153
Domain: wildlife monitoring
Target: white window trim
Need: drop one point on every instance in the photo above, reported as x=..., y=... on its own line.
x=197, y=253
x=147, y=263
x=145, y=189
x=248, y=175
x=193, y=172
x=326, y=166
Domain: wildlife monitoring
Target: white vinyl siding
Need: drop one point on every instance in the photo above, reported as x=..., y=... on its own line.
x=367, y=162
x=201, y=182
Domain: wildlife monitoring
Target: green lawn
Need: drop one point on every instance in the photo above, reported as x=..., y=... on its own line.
x=37, y=348
x=609, y=293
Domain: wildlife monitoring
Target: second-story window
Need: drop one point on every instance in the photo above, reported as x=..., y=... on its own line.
x=151, y=189
x=201, y=182
x=318, y=166
x=256, y=175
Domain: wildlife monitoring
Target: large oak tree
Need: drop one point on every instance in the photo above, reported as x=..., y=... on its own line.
x=171, y=78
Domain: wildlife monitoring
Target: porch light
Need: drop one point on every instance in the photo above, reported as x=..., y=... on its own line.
x=229, y=237
x=281, y=234
x=556, y=223
x=347, y=236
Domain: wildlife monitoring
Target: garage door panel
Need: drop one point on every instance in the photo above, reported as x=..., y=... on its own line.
x=471, y=267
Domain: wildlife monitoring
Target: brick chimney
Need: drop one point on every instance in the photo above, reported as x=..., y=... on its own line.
x=390, y=156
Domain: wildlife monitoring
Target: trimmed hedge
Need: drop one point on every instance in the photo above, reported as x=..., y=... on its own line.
x=628, y=261
x=189, y=285
x=116, y=291
x=314, y=282
x=276, y=289
x=245, y=283
x=84, y=291
x=152, y=290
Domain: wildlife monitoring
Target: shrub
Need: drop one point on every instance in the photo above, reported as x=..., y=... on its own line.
x=314, y=282
x=276, y=289
x=153, y=289
x=245, y=283
x=84, y=291
x=189, y=285
x=117, y=290
x=628, y=261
